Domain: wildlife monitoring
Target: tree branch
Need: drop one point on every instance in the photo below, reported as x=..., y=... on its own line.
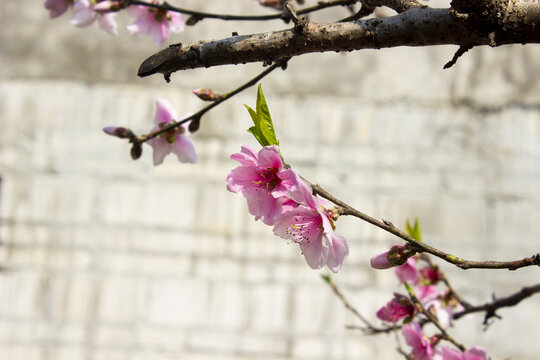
x=491, y=307
x=199, y=15
x=420, y=26
x=423, y=247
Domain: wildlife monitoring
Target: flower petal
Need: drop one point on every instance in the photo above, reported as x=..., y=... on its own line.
x=337, y=253
x=107, y=22
x=184, y=149
x=161, y=149
x=164, y=111
x=56, y=7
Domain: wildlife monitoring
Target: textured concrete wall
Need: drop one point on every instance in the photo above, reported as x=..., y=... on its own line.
x=105, y=258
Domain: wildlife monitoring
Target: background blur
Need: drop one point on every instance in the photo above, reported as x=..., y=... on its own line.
x=106, y=258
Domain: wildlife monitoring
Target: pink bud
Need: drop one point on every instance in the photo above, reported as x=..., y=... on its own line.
x=207, y=94
x=120, y=132
x=380, y=261
x=396, y=256
x=278, y=4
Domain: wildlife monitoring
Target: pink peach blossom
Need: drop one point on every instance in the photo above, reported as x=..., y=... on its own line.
x=311, y=227
x=264, y=181
x=173, y=141
x=396, y=309
x=84, y=14
x=155, y=23
x=57, y=7
x=408, y=272
x=414, y=337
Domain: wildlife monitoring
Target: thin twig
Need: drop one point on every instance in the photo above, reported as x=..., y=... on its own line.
x=198, y=115
x=370, y=327
x=204, y=15
x=491, y=307
x=433, y=319
x=445, y=281
x=423, y=247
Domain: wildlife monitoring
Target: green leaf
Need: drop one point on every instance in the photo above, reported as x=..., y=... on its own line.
x=264, y=127
x=257, y=135
x=266, y=124
x=414, y=232
x=254, y=116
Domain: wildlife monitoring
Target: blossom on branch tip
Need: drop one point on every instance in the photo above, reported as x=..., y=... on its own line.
x=153, y=22
x=311, y=226
x=57, y=7
x=85, y=12
x=264, y=181
x=173, y=141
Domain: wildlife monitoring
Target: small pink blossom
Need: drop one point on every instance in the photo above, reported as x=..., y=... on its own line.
x=431, y=299
x=396, y=309
x=173, y=141
x=57, y=7
x=155, y=23
x=311, y=227
x=474, y=353
x=429, y=275
x=407, y=272
x=264, y=181
x=85, y=13
x=414, y=337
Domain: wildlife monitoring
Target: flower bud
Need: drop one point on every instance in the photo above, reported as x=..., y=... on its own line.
x=207, y=94
x=194, y=125
x=136, y=150
x=277, y=4
x=396, y=256
x=192, y=20
x=120, y=132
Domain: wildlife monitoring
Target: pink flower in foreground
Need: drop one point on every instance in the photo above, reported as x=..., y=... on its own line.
x=85, y=13
x=173, y=141
x=264, y=182
x=414, y=337
x=57, y=7
x=396, y=309
x=311, y=227
x=407, y=272
x=153, y=22
x=474, y=353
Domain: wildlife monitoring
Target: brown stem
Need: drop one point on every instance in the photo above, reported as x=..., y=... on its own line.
x=204, y=15
x=433, y=319
x=370, y=328
x=198, y=115
x=419, y=26
x=491, y=307
x=423, y=247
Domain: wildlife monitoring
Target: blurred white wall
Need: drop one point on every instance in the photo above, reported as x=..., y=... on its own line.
x=106, y=258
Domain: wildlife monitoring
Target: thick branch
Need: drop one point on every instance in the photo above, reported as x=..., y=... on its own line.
x=416, y=27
